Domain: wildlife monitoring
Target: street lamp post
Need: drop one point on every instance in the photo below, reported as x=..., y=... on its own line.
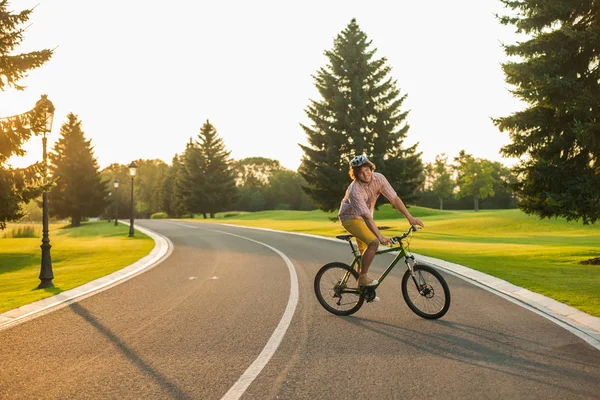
x=46, y=274
x=132, y=170
x=116, y=184
x=108, y=207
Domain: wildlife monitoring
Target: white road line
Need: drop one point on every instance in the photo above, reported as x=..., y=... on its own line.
x=238, y=388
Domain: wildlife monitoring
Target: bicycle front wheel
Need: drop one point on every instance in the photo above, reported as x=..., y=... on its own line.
x=336, y=288
x=427, y=295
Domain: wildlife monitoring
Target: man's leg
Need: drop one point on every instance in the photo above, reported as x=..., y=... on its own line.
x=367, y=257
x=367, y=245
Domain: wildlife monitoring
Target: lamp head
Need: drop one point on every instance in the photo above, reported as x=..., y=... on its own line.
x=45, y=108
x=132, y=168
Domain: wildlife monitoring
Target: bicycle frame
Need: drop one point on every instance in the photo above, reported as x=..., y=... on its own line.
x=402, y=253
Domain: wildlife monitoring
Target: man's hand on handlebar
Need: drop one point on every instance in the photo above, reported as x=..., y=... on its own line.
x=416, y=221
x=384, y=240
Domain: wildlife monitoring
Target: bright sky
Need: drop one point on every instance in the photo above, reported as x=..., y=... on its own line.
x=144, y=75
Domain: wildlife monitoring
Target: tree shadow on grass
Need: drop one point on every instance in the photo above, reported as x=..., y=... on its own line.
x=12, y=262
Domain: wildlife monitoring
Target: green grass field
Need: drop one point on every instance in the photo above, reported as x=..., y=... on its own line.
x=79, y=255
x=540, y=255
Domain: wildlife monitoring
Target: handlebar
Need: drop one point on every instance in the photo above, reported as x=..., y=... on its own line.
x=397, y=239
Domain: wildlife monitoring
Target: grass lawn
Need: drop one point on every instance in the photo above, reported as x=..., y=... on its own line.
x=79, y=255
x=540, y=255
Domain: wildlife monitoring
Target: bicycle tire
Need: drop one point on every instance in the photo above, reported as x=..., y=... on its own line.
x=436, y=283
x=328, y=277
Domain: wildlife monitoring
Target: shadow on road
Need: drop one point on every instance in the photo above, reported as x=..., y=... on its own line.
x=499, y=352
x=131, y=355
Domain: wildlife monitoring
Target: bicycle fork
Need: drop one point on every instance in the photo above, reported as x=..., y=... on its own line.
x=417, y=278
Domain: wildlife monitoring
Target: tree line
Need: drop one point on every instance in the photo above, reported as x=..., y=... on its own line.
x=360, y=111
x=467, y=183
x=203, y=180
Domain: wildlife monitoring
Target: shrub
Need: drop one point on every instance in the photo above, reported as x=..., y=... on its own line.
x=283, y=206
x=25, y=231
x=159, y=215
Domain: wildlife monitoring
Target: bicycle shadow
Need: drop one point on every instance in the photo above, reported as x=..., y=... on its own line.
x=490, y=350
x=169, y=386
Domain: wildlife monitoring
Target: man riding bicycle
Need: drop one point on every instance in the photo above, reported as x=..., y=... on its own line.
x=356, y=211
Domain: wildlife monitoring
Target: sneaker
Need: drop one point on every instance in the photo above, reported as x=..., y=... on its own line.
x=364, y=280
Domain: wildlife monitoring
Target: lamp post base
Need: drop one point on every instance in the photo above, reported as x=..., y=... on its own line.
x=45, y=283
x=46, y=274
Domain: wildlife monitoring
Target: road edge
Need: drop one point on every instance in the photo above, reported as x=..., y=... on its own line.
x=163, y=248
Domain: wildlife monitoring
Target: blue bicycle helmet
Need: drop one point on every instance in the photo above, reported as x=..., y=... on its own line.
x=358, y=161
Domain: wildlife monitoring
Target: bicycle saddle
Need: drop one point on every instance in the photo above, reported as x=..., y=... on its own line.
x=344, y=237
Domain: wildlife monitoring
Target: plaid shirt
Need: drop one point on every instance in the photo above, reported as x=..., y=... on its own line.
x=360, y=198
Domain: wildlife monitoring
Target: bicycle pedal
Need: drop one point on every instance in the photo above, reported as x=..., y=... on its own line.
x=370, y=295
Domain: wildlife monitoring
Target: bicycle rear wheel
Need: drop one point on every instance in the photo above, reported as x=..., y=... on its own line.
x=336, y=288
x=429, y=296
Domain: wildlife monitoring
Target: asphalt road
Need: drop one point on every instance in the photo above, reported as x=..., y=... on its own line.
x=190, y=328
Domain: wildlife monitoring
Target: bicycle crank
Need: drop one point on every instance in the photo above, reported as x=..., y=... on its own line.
x=370, y=294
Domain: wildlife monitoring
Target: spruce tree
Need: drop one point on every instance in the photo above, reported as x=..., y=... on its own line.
x=79, y=191
x=17, y=186
x=218, y=186
x=557, y=136
x=14, y=67
x=359, y=113
x=192, y=177
x=174, y=191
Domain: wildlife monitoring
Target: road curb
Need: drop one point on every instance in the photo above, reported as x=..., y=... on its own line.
x=162, y=249
x=585, y=326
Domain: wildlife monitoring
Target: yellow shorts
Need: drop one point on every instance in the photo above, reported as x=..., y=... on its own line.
x=359, y=229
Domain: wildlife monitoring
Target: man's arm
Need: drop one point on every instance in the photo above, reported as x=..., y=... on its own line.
x=399, y=205
x=373, y=227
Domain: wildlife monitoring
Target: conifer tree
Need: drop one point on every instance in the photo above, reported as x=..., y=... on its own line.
x=17, y=186
x=218, y=185
x=173, y=190
x=359, y=113
x=14, y=67
x=194, y=180
x=557, y=137
x=79, y=191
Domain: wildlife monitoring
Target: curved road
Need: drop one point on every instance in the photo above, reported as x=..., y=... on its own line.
x=191, y=327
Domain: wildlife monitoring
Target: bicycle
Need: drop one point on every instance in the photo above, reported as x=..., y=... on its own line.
x=424, y=289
